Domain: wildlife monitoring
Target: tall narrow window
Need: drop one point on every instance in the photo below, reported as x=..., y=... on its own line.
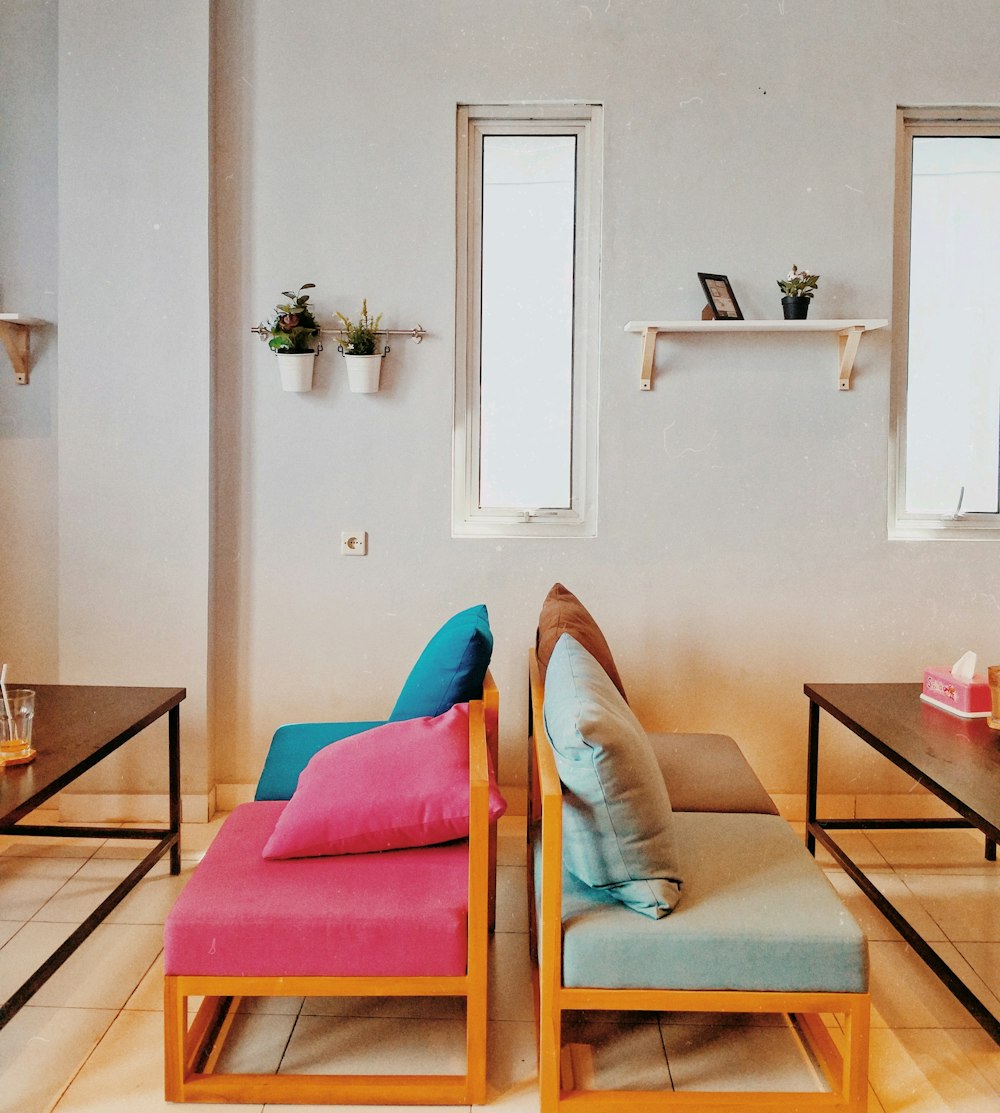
x=529, y=181
x=946, y=386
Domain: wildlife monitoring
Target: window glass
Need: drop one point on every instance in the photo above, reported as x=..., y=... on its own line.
x=529, y=189
x=953, y=357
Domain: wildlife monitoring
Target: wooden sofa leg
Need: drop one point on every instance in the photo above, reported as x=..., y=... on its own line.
x=549, y=1061
x=174, y=1037
x=475, y=1048
x=857, y=1026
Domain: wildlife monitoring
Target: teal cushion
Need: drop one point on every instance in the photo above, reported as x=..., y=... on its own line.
x=757, y=914
x=617, y=820
x=291, y=748
x=451, y=668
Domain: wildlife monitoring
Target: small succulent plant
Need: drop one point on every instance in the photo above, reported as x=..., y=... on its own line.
x=798, y=284
x=294, y=327
x=360, y=338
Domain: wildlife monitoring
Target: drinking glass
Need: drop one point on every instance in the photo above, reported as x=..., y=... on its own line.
x=17, y=715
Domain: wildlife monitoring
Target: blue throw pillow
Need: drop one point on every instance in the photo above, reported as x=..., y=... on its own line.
x=291, y=748
x=451, y=668
x=617, y=820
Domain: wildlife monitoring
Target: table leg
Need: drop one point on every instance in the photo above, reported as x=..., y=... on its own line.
x=174, y=764
x=991, y=849
x=812, y=775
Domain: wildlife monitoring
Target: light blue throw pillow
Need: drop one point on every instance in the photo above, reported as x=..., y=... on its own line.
x=617, y=820
x=451, y=668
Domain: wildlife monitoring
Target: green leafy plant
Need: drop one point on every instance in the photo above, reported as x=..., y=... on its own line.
x=294, y=327
x=360, y=338
x=798, y=284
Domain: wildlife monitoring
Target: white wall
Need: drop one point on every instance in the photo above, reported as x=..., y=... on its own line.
x=134, y=362
x=742, y=546
x=29, y=620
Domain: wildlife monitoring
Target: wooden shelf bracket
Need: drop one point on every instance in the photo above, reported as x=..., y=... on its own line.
x=648, y=352
x=848, y=341
x=15, y=332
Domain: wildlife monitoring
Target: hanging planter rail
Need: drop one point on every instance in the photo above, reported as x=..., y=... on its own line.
x=416, y=334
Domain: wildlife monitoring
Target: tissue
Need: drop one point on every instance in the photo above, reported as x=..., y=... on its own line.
x=965, y=667
x=958, y=689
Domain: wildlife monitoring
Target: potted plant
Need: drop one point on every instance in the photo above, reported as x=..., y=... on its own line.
x=798, y=288
x=360, y=345
x=293, y=336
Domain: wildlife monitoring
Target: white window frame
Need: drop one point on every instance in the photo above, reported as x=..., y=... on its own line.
x=585, y=121
x=904, y=524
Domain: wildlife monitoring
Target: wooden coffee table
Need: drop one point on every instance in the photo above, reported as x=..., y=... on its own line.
x=76, y=727
x=956, y=759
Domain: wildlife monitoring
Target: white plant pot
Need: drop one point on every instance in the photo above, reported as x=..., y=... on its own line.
x=363, y=372
x=296, y=370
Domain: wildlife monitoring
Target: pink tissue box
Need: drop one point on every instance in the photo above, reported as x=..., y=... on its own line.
x=968, y=698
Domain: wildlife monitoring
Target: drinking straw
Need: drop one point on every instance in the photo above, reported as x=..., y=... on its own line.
x=6, y=704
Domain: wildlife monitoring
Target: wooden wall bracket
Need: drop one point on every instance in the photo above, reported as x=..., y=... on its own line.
x=15, y=332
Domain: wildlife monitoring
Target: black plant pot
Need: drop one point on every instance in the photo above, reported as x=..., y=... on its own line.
x=795, y=308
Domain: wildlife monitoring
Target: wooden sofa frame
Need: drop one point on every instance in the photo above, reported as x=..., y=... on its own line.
x=846, y=1073
x=192, y=1053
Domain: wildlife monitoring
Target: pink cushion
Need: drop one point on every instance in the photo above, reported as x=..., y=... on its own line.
x=398, y=914
x=401, y=784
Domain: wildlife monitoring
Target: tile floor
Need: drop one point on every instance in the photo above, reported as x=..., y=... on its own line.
x=90, y=1040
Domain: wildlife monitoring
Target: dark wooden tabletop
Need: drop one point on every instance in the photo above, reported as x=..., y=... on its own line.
x=957, y=757
x=75, y=727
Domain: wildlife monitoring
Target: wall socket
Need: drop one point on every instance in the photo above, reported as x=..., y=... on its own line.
x=354, y=543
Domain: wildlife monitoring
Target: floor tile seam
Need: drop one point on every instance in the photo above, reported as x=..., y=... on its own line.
x=74, y=876
x=24, y=924
x=970, y=1063
x=956, y=939
x=666, y=1055
x=138, y=982
x=959, y=870
x=39, y=919
x=929, y=914
x=920, y=904
x=64, y=1090
x=288, y=1039
x=987, y=991
x=86, y=1009
x=874, y=849
x=882, y=1026
x=971, y=1027
x=54, y=1107
x=76, y=844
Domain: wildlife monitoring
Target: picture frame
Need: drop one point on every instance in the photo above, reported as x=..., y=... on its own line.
x=720, y=297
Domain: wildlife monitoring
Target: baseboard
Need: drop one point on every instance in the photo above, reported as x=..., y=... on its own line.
x=125, y=807
x=897, y=805
x=517, y=799
x=228, y=797
x=200, y=807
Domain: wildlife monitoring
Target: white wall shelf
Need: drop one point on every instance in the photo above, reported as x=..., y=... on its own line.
x=848, y=335
x=15, y=332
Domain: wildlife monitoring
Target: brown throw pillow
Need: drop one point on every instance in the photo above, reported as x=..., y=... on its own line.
x=562, y=613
